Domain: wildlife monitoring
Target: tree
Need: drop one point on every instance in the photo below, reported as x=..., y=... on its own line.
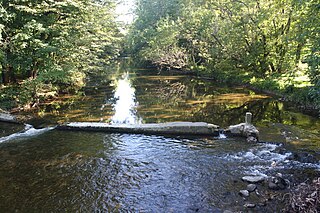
x=43, y=36
x=259, y=38
x=52, y=44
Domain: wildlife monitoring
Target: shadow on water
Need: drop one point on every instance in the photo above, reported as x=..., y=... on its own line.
x=80, y=171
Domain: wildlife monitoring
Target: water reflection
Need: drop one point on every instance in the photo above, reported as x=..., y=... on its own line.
x=125, y=106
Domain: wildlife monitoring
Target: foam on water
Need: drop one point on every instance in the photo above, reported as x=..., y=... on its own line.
x=262, y=152
x=265, y=158
x=222, y=135
x=28, y=131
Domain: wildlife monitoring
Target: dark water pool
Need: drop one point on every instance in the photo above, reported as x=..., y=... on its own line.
x=47, y=170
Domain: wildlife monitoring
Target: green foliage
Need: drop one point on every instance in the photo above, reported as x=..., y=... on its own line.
x=55, y=42
x=232, y=40
x=269, y=84
x=250, y=36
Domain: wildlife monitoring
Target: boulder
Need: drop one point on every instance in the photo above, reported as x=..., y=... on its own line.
x=245, y=129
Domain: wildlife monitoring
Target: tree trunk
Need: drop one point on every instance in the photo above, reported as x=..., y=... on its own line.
x=4, y=75
x=298, y=53
x=7, y=74
x=33, y=71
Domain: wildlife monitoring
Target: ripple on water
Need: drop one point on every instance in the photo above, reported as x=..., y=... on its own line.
x=265, y=157
x=87, y=172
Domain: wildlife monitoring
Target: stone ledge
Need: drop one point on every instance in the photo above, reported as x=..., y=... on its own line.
x=172, y=128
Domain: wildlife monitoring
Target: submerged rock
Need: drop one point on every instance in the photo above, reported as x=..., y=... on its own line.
x=252, y=139
x=253, y=179
x=244, y=193
x=251, y=187
x=277, y=183
x=303, y=157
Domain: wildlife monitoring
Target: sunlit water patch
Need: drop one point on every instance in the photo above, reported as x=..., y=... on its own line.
x=125, y=106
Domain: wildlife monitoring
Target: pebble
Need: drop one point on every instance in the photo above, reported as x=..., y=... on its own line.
x=244, y=193
x=249, y=205
x=251, y=187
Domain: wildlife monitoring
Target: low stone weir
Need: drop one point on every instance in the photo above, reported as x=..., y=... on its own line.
x=6, y=117
x=172, y=128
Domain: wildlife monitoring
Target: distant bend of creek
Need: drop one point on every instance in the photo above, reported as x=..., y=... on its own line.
x=47, y=170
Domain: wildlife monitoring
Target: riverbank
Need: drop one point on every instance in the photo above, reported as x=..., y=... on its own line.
x=295, y=90
x=30, y=94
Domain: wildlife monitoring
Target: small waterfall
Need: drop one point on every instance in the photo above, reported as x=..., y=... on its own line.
x=222, y=135
x=125, y=106
x=27, y=132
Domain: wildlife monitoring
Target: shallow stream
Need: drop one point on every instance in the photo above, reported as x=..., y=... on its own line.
x=47, y=170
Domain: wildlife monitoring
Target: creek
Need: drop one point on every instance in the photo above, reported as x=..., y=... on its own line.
x=47, y=170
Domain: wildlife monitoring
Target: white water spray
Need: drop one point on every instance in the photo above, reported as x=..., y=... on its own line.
x=27, y=132
x=222, y=135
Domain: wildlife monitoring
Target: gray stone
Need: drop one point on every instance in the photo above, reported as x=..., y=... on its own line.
x=277, y=183
x=252, y=139
x=251, y=187
x=249, y=205
x=227, y=211
x=244, y=129
x=253, y=179
x=244, y=193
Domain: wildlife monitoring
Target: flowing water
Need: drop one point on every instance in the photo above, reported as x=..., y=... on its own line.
x=46, y=170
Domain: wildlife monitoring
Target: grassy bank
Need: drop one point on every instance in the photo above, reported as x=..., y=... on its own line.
x=295, y=89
